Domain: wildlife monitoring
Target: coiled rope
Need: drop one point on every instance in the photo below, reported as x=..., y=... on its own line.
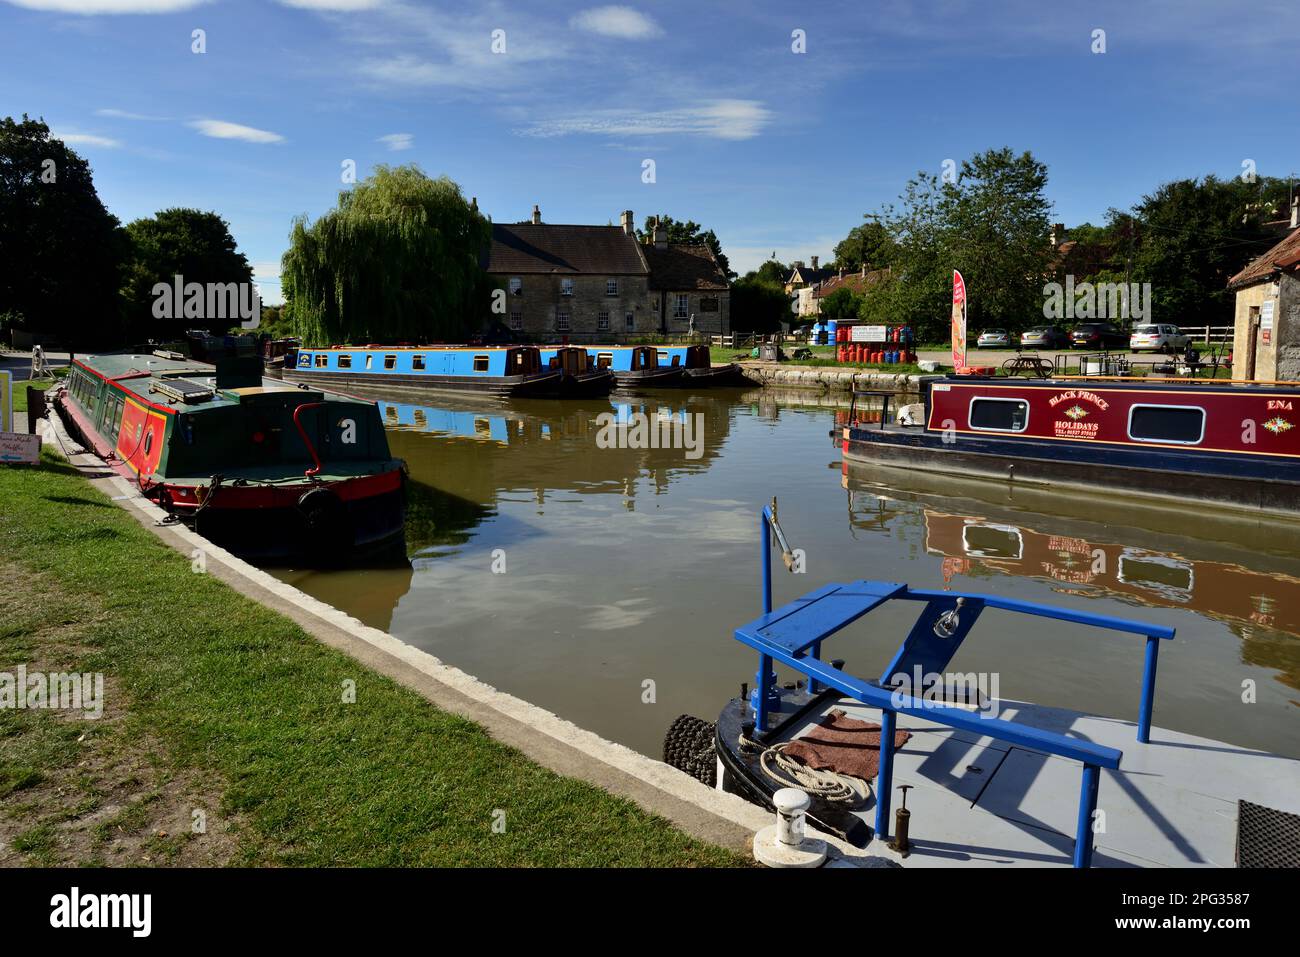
x=827, y=785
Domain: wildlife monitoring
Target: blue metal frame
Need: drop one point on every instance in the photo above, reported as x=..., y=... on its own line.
x=793, y=635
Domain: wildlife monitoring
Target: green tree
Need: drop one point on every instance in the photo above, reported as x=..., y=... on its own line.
x=1193, y=235
x=773, y=272
x=190, y=243
x=842, y=305
x=869, y=243
x=991, y=223
x=398, y=259
x=758, y=306
x=60, y=249
x=688, y=232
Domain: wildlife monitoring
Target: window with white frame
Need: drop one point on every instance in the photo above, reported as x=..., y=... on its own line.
x=566, y=287
x=602, y=321
x=516, y=321
x=683, y=306
x=611, y=287
x=561, y=321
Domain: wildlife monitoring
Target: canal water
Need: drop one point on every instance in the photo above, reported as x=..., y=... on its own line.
x=558, y=562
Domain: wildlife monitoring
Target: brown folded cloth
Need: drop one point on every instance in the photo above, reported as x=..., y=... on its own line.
x=844, y=745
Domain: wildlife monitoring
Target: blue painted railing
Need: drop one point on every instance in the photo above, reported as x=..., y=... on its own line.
x=800, y=649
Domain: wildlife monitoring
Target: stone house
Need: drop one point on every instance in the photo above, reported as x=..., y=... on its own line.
x=1266, y=321
x=802, y=276
x=599, y=284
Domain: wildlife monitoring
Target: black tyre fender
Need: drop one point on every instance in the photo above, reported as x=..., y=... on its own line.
x=325, y=519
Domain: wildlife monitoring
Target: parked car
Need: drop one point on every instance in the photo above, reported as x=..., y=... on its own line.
x=993, y=339
x=1160, y=338
x=1045, y=337
x=1098, y=335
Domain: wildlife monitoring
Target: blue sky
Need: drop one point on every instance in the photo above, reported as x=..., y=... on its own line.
x=775, y=150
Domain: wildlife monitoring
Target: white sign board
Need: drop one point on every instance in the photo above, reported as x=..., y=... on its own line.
x=869, y=334
x=19, y=448
x=1266, y=315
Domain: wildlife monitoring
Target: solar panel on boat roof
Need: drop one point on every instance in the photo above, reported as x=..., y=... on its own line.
x=183, y=389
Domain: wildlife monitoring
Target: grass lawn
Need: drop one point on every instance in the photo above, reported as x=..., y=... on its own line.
x=217, y=705
x=20, y=389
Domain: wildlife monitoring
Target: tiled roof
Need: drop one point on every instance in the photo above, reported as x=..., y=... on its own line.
x=1285, y=255
x=682, y=266
x=855, y=282
x=551, y=248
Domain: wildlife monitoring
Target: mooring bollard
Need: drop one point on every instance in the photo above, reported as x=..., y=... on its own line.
x=784, y=843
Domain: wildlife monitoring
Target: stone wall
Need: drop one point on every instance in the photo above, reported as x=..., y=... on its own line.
x=1279, y=358
x=542, y=300
x=830, y=380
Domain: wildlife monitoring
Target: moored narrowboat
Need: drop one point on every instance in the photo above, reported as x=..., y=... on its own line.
x=491, y=370
x=1235, y=444
x=271, y=472
x=640, y=367
x=580, y=376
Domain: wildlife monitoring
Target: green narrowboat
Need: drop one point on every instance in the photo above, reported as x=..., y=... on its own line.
x=275, y=473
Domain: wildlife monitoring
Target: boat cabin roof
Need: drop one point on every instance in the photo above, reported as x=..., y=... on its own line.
x=187, y=383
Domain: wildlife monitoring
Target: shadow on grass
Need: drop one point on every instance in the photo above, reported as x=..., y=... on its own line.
x=72, y=500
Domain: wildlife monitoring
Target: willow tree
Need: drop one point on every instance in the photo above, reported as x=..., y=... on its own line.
x=397, y=260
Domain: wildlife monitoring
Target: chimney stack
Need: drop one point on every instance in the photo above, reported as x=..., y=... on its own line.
x=537, y=214
x=814, y=263
x=661, y=235
x=1295, y=211
x=628, y=228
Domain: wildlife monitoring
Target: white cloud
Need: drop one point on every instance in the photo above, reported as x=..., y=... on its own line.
x=341, y=6
x=720, y=119
x=222, y=130
x=124, y=115
x=397, y=141
x=94, y=7
x=85, y=139
x=614, y=21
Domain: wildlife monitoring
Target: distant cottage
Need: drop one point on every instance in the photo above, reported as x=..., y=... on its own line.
x=599, y=284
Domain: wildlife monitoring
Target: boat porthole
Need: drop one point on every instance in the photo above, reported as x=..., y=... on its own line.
x=148, y=443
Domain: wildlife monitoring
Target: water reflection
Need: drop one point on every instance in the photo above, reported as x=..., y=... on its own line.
x=605, y=583
x=1078, y=551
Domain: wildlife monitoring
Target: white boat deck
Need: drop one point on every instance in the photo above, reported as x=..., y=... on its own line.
x=977, y=801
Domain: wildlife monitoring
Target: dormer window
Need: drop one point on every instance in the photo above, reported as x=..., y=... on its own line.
x=566, y=287
x=516, y=286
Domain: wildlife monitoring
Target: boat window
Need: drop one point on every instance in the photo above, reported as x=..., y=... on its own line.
x=322, y=361
x=604, y=360
x=390, y=411
x=390, y=362
x=345, y=362
x=999, y=415
x=1179, y=424
x=481, y=363
x=417, y=363
x=370, y=361
x=421, y=419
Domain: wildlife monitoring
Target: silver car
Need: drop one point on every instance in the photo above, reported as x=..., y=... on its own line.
x=1158, y=338
x=993, y=339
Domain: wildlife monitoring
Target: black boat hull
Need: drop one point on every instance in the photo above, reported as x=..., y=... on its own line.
x=711, y=376
x=664, y=377
x=1250, y=484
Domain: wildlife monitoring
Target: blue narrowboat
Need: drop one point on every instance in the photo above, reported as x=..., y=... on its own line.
x=491, y=370
x=660, y=366
x=579, y=374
